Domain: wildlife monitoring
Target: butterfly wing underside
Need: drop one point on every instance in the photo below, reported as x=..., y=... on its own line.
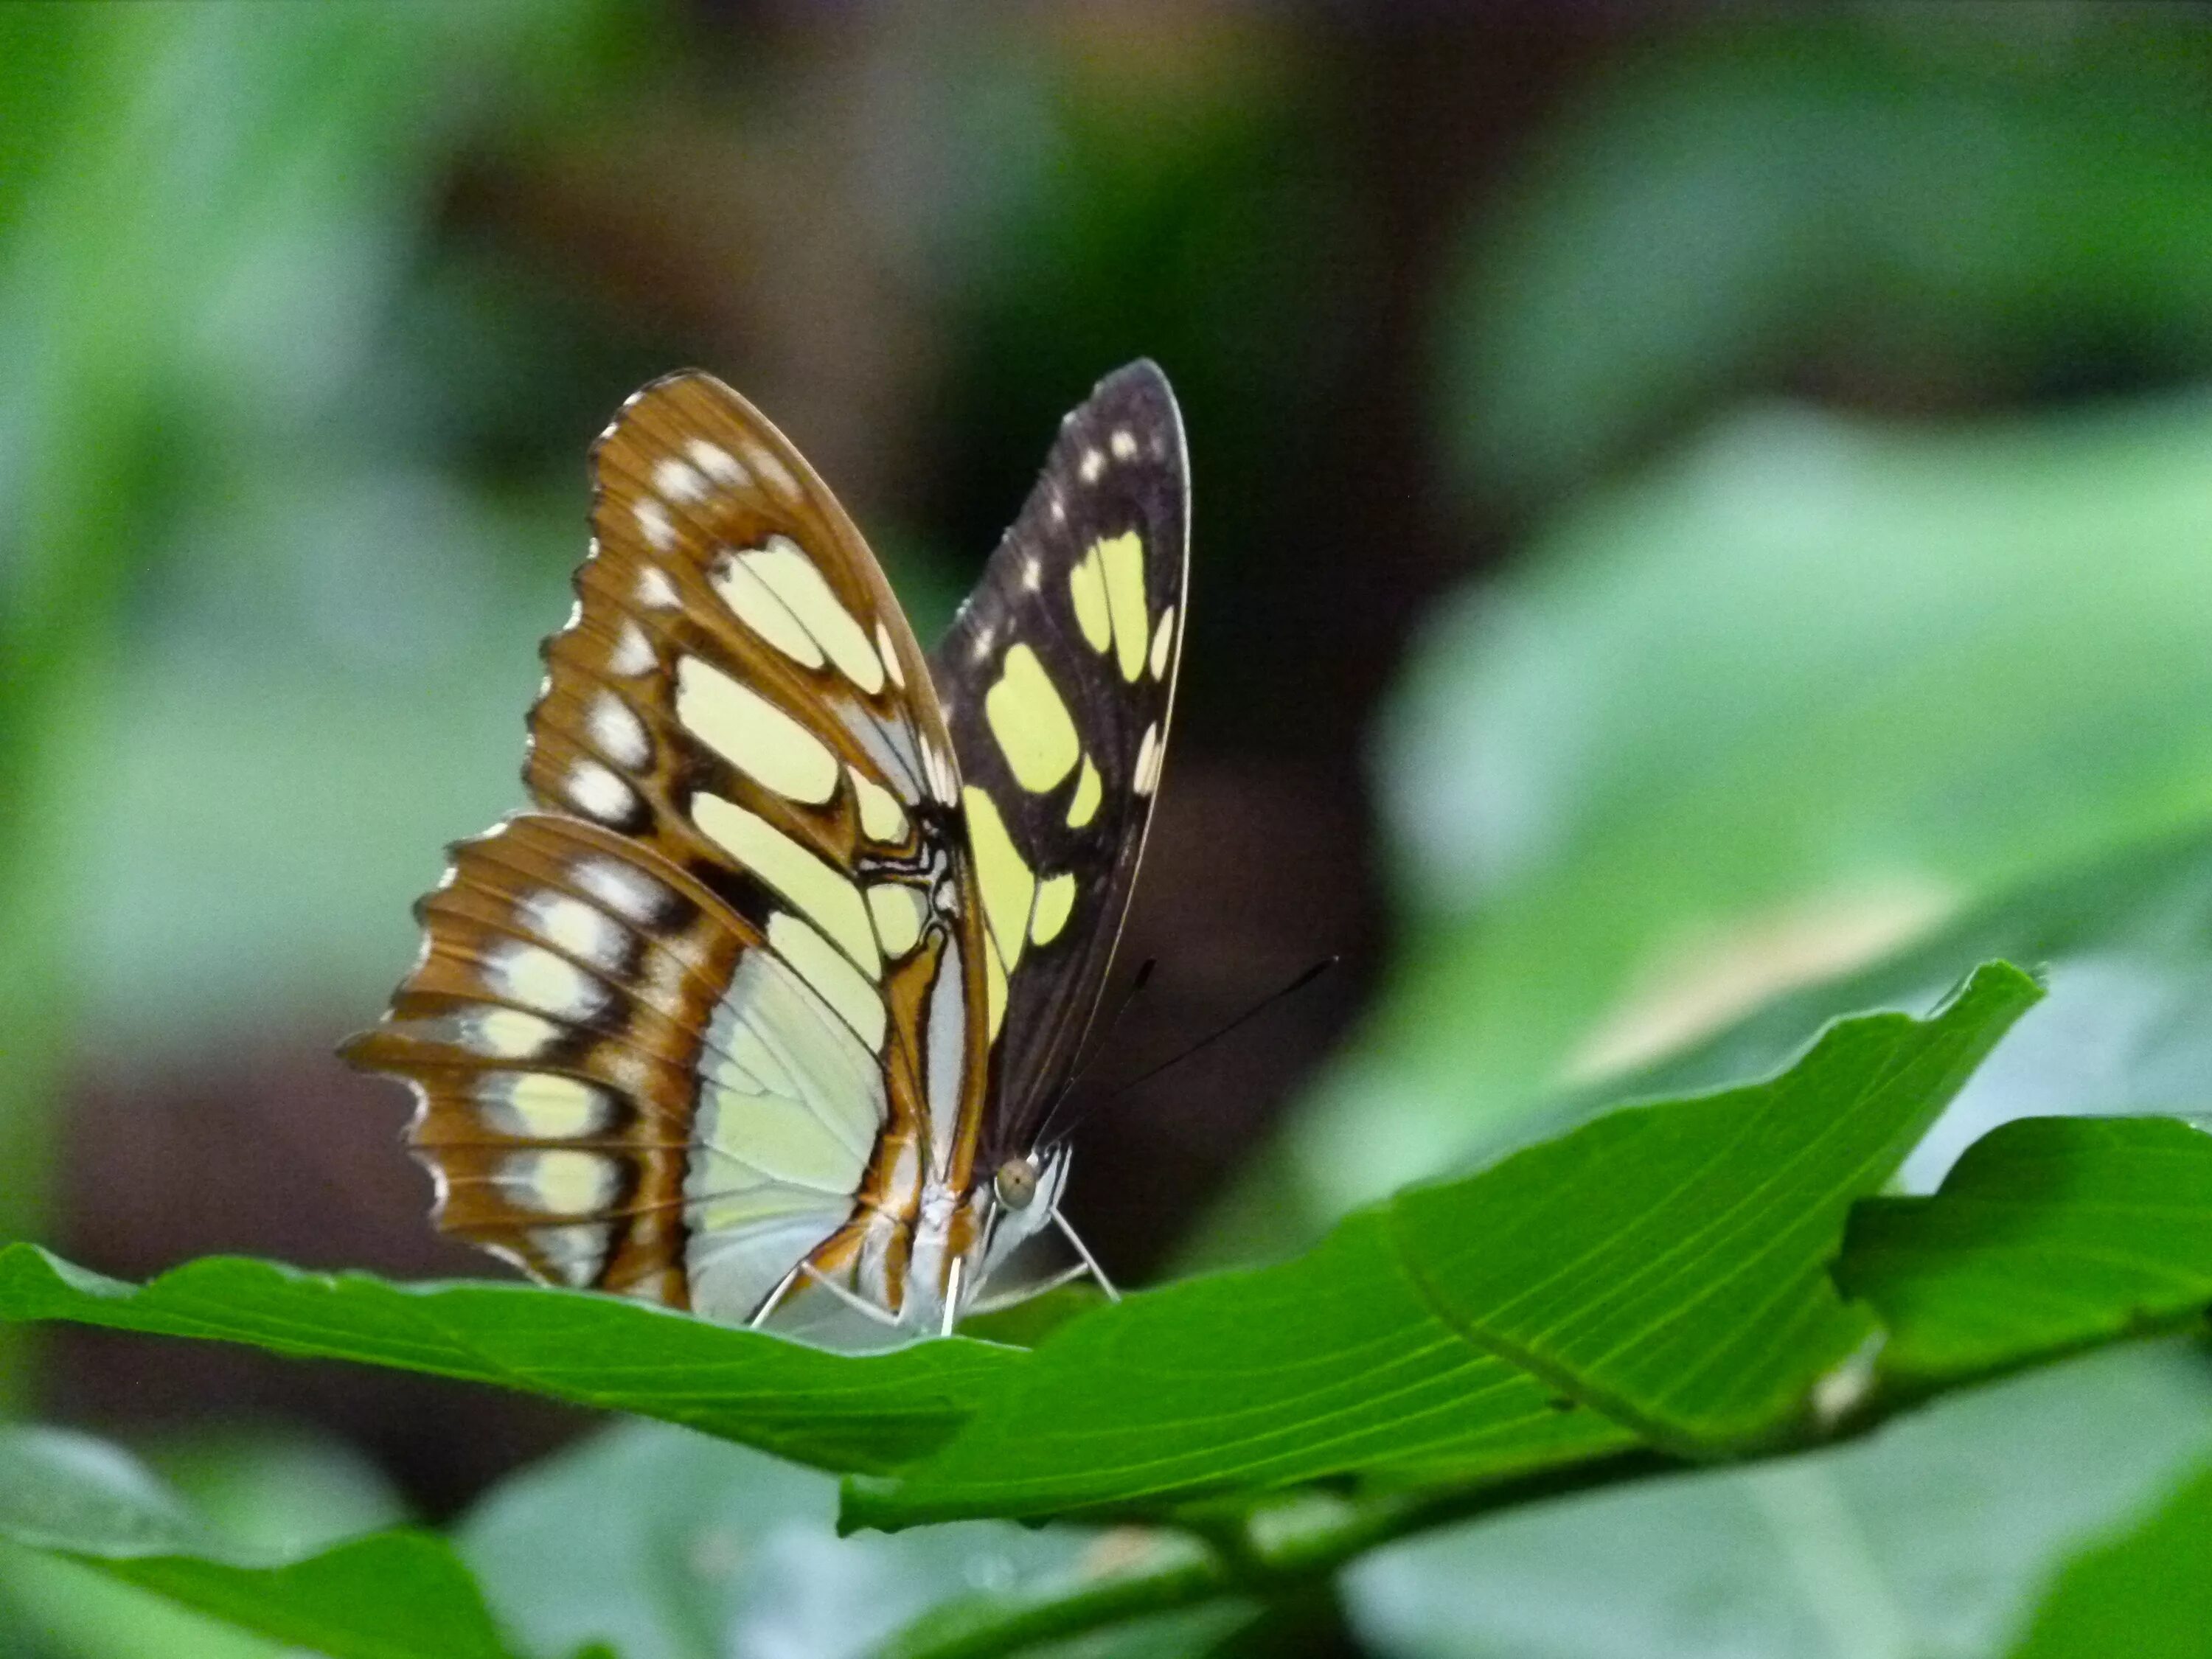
x=1057, y=679
x=705, y=1012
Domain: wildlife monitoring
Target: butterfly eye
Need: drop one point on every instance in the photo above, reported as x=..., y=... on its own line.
x=1016, y=1183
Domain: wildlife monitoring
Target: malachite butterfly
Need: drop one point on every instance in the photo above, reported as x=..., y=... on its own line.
x=772, y=988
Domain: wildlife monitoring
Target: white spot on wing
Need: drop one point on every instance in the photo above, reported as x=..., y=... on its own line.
x=889, y=745
x=1164, y=643
x=599, y=794
x=558, y=1181
x=633, y=653
x=660, y=530
x=772, y=471
x=889, y=652
x=576, y=928
x=1125, y=446
x=538, y=978
x=1094, y=463
x=629, y=893
x=679, y=480
x=506, y=1033
x=618, y=733
x=627, y=1070
x=573, y=1254
x=718, y=463
x=655, y=591
x=942, y=782
x=1150, y=753
x=542, y=1105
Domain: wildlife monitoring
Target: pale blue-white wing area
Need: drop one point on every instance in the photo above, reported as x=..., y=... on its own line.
x=713, y=1011
x=1057, y=679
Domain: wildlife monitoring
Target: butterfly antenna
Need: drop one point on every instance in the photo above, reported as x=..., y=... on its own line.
x=1084, y=1064
x=1303, y=979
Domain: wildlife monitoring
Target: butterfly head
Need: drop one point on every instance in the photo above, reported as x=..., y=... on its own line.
x=1015, y=1185
x=1023, y=1193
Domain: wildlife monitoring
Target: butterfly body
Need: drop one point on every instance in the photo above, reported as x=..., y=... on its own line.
x=773, y=990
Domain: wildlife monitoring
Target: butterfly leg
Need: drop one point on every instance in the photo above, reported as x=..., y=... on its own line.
x=952, y=1297
x=775, y=1298
x=1090, y=1261
x=990, y=1305
x=858, y=1304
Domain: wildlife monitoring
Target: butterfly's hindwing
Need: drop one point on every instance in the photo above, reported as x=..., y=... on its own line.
x=548, y=1030
x=1057, y=680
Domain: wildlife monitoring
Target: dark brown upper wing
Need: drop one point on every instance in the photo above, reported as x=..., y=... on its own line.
x=1056, y=680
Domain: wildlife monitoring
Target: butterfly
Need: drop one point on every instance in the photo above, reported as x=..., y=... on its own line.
x=775, y=985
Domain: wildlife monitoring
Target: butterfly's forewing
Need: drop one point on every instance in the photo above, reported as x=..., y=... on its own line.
x=707, y=1013
x=1057, y=679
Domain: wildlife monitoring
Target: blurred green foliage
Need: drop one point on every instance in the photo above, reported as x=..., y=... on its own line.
x=2140, y=1593
x=1801, y=696
x=229, y=622
x=185, y=282
x=1953, y=204
x=1934, y=1537
x=708, y=1549
x=263, y=1495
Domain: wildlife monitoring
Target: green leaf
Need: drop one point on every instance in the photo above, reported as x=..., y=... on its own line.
x=279, y=1494
x=1695, y=1234
x=867, y=1411
x=2127, y=939
x=2050, y=1234
x=2145, y=1594
x=390, y=1595
x=1934, y=1537
x=1657, y=1278
x=698, y=1548
x=1612, y=836
x=990, y=1623
x=1668, y=1263
x=1025, y=1324
x=1328, y=1365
